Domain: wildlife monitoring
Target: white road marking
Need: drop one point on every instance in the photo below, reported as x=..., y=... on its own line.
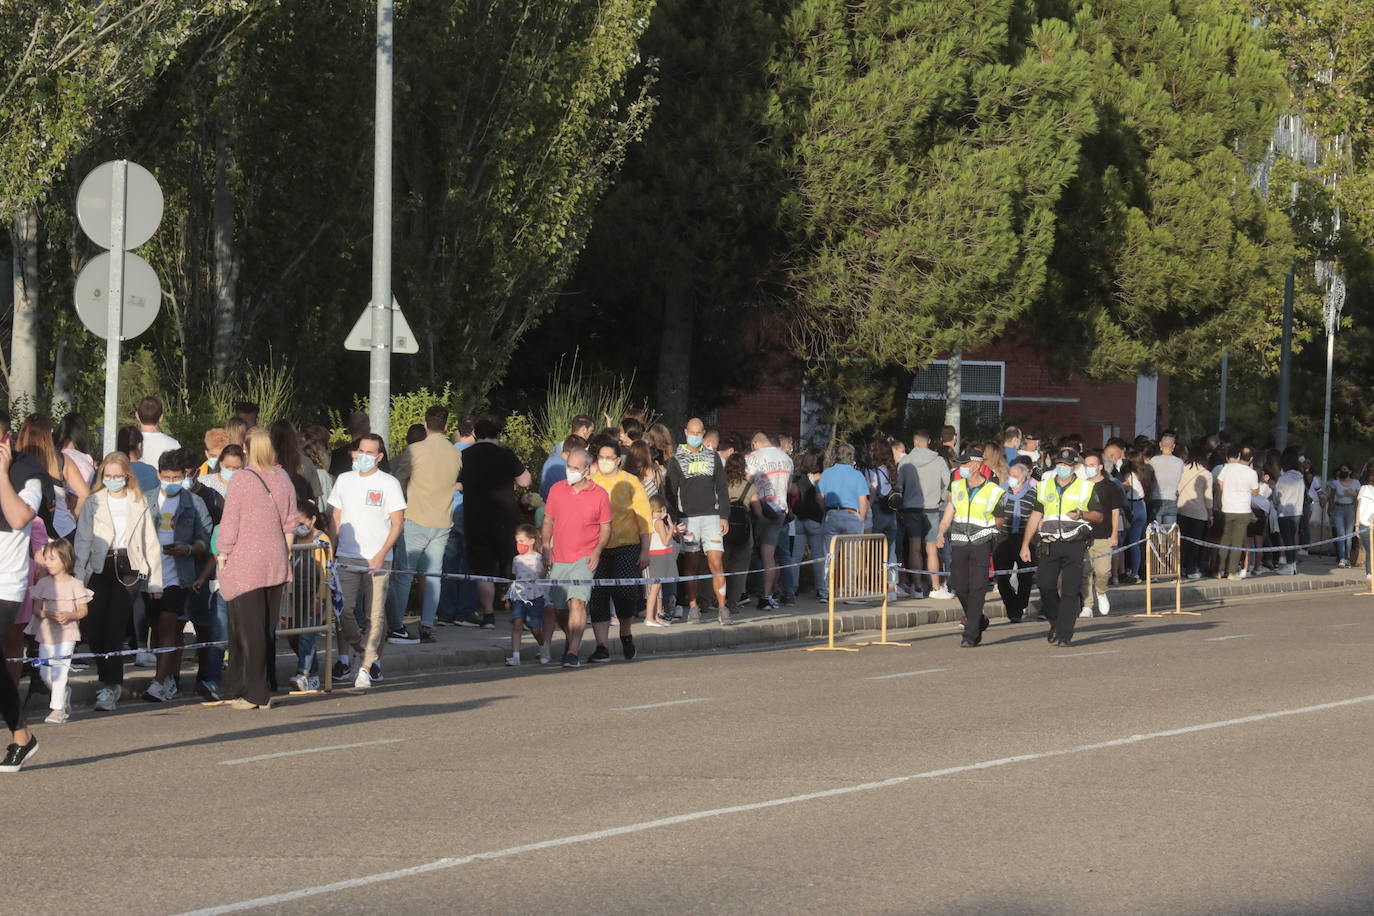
x=312, y=750
x=883, y=677
x=1094, y=652
x=660, y=705
x=1337, y=626
x=454, y=862
x=1224, y=638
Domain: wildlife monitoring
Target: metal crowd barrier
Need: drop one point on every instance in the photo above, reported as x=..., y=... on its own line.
x=1163, y=561
x=857, y=570
x=307, y=606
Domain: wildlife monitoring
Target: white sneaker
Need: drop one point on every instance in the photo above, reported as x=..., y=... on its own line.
x=300, y=683
x=545, y=653
x=896, y=594
x=1288, y=569
x=1243, y=574
x=1192, y=576
x=57, y=717
x=1302, y=552
x=513, y=661
x=942, y=594
x=161, y=691
x=145, y=659
x=363, y=680
x=107, y=697
x=1104, y=607
x=1086, y=612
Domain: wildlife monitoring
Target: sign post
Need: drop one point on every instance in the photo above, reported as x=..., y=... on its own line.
x=379, y=365
x=115, y=316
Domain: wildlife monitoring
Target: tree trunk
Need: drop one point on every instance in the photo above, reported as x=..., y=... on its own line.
x=23, y=377
x=675, y=353
x=226, y=260
x=61, y=381
x=954, y=391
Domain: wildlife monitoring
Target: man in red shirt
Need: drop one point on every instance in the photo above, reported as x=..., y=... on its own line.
x=577, y=526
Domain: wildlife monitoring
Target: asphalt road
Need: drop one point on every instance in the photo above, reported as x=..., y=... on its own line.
x=1215, y=764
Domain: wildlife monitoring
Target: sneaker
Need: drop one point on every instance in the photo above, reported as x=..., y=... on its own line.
x=627, y=647
x=1086, y=612
x=570, y=660
x=375, y=672
x=1104, y=607
x=896, y=594
x=694, y=614
x=677, y=612
x=342, y=671
x=363, y=680
x=763, y=604
x=1288, y=569
x=145, y=659
x=312, y=683
x=600, y=656
x=465, y=622
x=657, y=622
x=300, y=683
x=787, y=601
x=17, y=755
x=107, y=697
x=1244, y=574
x=513, y=661
x=489, y=622
x=723, y=617
x=58, y=717
x=1193, y=576
x=942, y=594
x=161, y=691
x=1343, y=564
x=441, y=622
x=545, y=654
x=427, y=635
x=746, y=598
x=401, y=637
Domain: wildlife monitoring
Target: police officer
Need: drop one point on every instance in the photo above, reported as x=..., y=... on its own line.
x=972, y=521
x=1063, y=511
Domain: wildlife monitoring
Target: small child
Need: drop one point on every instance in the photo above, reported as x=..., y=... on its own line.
x=59, y=601
x=309, y=575
x=662, y=561
x=526, y=598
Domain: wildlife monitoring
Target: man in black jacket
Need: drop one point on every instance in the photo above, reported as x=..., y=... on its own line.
x=699, y=501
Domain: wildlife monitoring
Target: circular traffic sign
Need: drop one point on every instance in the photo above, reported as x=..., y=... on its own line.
x=142, y=295
x=142, y=200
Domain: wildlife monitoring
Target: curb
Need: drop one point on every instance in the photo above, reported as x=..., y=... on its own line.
x=684, y=638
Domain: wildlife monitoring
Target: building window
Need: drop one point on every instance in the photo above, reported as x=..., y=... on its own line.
x=983, y=386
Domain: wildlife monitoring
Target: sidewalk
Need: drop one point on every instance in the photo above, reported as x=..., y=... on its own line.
x=461, y=647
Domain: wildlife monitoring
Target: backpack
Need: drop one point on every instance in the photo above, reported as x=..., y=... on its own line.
x=739, y=518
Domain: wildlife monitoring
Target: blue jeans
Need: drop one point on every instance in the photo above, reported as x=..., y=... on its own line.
x=1288, y=534
x=1134, y=533
x=1164, y=511
x=838, y=521
x=424, y=552
x=210, y=616
x=813, y=543
x=889, y=525
x=457, y=598
x=787, y=584
x=1343, y=520
x=305, y=653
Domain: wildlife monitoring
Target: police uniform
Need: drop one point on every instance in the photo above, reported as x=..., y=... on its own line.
x=1064, y=543
x=972, y=534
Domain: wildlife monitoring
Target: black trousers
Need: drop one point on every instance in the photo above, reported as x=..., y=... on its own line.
x=968, y=573
x=1007, y=555
x=250, y=671
x=106, y=627
x=1060, y=578
x=10, y=707
x=617, y=563
x=1192, y=553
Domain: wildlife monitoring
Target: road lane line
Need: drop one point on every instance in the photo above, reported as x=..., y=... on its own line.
x=883, y=677
x=1337, y=626
x=1094, y=652
x=1224, y=638
x=660, y=705
x=576, y=839
x=311, y=750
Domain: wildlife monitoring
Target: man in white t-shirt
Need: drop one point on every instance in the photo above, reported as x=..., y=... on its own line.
x=369, y=510
x=149, y=414
x=1237, y=482
x=771, y=470
x=1168, y=468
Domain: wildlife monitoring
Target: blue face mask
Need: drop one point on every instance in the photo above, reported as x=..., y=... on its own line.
x=226, y=473
x=114, y=484
x=1063, y=471
x=363, y=462
x=1090, y=473
x=965, y=473
x=695, y=441
x=170, y=487
x=212, y=463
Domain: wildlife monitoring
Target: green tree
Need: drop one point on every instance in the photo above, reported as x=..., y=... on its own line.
x=929, y=144
x=1166, y=255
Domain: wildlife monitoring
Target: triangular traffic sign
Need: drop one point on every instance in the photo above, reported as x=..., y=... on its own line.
x=402, y=339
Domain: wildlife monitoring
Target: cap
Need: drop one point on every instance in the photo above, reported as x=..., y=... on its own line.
x=1066, y=456
x=972, y=453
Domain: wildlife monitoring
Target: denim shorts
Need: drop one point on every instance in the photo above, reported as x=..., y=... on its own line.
x=921, y=524
x=703, y=533
x=532, y=612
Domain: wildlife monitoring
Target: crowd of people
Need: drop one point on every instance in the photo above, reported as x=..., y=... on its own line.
x=120, y=554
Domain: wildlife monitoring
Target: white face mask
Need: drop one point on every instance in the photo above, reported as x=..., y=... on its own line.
x=574, y=477
x=607, y=465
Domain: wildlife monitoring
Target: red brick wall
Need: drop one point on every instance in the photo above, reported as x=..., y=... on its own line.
x=774, y=407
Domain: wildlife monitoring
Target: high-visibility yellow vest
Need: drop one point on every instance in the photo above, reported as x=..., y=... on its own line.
x=975, y=512
x=1057, y=504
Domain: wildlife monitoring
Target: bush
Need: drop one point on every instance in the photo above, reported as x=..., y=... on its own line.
x=407, y=409
x=571, y=393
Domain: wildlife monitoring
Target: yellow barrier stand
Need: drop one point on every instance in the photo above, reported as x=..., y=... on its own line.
x=858, y=571
x=307, y=607
x=1164, y=548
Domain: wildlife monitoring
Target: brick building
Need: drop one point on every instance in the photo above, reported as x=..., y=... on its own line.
x=1003, y=383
